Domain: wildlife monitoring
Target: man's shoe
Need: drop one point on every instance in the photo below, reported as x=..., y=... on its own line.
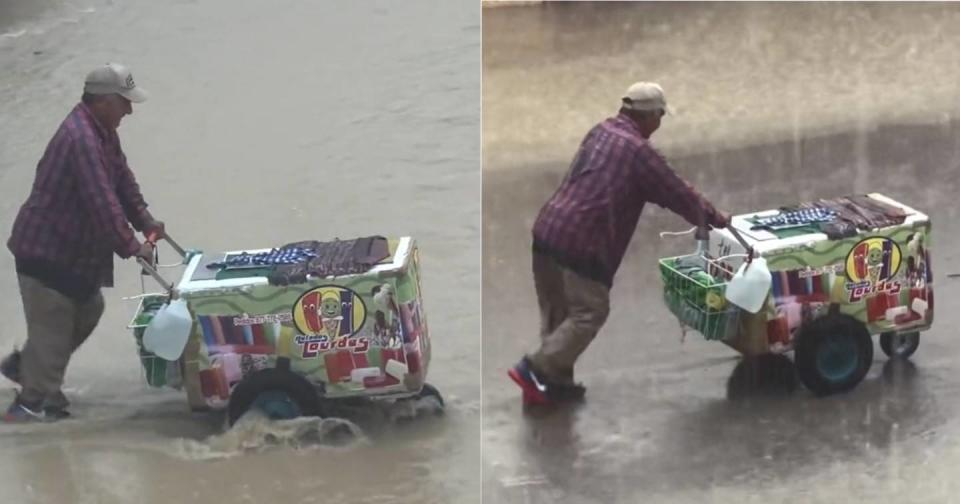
x=10, y=367
x=534, y=387
x=562, y=392
x=55, y=413
x=18, y=413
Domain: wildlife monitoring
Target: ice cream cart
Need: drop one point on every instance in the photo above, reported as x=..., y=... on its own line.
x=287, y=329
x=840, y=271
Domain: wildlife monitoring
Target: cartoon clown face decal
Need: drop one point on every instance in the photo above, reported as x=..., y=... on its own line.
x=332, y=311
x=330, y=306
x=874, y=259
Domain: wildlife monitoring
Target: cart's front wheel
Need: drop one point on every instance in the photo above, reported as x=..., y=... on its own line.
x=427, y=401
x=276, y=405
x=833, y=354
x=279, y=394
x=899, y=345
x=430, y=391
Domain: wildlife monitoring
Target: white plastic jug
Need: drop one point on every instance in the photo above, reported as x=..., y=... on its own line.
x=749, y=287
x=169, y=330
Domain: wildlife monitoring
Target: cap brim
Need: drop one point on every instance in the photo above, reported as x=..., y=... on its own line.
x=136, y=95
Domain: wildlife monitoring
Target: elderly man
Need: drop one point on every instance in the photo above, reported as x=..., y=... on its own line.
x=582, y=233
x=77, y=216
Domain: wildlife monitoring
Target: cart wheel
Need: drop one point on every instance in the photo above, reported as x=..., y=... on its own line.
x=899, y=345
x=833, y=354
x=410, y=408
x=430, y=391
x=281, y=395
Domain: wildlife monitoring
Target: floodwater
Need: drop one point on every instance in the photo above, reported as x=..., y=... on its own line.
x=775, y=104
x=267, y=123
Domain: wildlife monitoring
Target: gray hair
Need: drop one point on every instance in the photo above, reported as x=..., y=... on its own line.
x=643, y=113
x=90, y=98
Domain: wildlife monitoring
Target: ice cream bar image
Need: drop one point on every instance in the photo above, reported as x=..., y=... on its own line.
x=311, y=316
x=893, y=313
x=396, y=369
x=860, y=260
x=887, y=259
x=413, y=362
x=357, y=375
x=919, y=306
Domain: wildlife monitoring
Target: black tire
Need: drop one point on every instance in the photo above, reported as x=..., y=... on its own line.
x=833, y=354
x=273, y=381
x=430, y=391
x=899, y=346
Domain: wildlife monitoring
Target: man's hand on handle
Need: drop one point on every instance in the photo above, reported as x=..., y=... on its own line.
x=154, y=231
x=155, y=228
x=721, y=219
x=714, y=218
x=146, y=252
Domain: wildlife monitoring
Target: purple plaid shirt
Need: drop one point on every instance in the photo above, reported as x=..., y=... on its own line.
x=83, y=197
x=588, y=223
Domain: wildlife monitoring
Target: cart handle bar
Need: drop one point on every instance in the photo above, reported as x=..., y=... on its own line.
x=153, y=237
x=169, y=287
x=736, y=234
x=702, y=230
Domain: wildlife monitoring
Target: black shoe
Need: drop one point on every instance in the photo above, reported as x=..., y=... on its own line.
x=10, y=367
x=55, y=412
x=562, y=392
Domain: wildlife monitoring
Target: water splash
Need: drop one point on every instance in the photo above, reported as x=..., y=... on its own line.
x=255, y=433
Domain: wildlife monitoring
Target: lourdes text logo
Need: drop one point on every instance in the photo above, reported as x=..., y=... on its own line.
x=871, y=266
x=330, y=310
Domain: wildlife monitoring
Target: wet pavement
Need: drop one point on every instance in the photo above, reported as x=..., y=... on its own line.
x=776, y=104
x=267, y=123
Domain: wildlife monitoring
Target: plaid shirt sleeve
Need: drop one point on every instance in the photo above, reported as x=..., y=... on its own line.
x=134, y=206
x=661, y=185
x=99, y=197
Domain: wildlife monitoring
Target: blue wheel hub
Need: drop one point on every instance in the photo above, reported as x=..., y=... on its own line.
x=277, y=405
x=837, y=358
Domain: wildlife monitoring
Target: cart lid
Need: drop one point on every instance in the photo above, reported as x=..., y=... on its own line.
x=763, y=241
x=195, y=279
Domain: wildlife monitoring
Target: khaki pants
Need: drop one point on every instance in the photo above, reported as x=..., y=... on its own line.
x=573, y=308
x=56, y=326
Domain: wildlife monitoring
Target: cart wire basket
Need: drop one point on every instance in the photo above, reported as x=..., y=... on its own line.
x=693, y=290
x=157, y=372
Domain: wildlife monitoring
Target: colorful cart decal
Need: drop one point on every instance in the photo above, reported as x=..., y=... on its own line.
x=883, y=279
x=356, y=335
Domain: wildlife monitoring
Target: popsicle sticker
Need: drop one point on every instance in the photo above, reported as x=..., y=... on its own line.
x=309, y=310
x=871, y=267
x=331, y=310
x=859, y=261
x=873, y=260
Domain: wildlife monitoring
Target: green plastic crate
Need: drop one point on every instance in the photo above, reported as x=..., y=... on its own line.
x=155, y=368
x=696, y=296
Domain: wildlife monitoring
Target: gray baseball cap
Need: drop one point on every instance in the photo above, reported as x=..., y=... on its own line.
x=114, y=78
x=646, y=96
